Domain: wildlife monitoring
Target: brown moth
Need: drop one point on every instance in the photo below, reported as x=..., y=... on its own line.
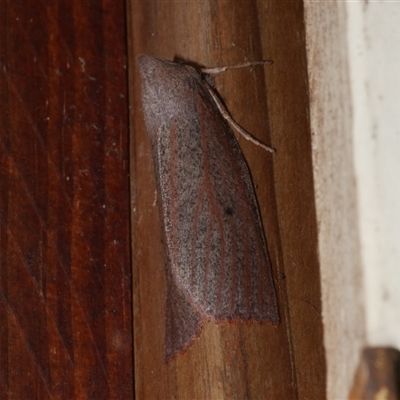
x=217, y=263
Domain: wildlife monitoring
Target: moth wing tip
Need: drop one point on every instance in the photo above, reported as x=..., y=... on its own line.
x=172, y=352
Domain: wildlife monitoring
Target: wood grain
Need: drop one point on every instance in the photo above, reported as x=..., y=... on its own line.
x=234, y=361
x=65, y=308
x=332, y=124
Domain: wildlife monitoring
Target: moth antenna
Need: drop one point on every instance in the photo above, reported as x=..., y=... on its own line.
x=219, y=70
x=224, y=112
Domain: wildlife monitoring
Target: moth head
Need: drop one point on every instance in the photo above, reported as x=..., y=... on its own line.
x=167, y=91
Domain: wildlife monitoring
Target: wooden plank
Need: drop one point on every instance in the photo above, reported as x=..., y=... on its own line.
x=234, y=360
x=65, y=300
x=331, y=119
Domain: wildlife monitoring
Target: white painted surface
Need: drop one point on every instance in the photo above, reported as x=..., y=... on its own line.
x=374, y=60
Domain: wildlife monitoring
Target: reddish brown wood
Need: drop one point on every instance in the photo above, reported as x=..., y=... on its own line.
x=65, y=298
x=235, y=360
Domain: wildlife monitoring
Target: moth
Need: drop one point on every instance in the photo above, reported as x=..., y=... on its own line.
x=217, y=263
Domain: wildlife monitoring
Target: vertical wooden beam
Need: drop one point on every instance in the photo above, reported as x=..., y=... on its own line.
x=331, y=120
x=65, y=300
x=234, y=360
